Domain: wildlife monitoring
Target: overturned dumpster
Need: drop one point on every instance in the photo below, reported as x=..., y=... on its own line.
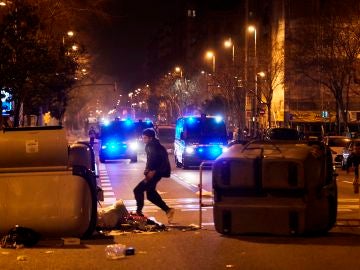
x=45, y=185
x=275, y=187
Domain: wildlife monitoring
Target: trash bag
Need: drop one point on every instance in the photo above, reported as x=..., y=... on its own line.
x=137, y=222
x=20, y=236
x=111, y=217
x=117, y=217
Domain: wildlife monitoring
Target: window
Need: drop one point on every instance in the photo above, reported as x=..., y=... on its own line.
x=191, y=13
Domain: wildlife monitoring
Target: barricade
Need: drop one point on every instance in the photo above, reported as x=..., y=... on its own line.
x=43, y=186
x=273, y=187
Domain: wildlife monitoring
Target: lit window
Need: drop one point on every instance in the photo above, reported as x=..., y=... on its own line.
x=191, y=13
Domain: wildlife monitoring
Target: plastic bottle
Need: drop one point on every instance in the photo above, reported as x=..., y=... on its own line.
x=115, y=251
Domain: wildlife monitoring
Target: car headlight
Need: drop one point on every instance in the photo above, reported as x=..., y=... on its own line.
x=134, y=145
x=189, y=150
x=224, y=149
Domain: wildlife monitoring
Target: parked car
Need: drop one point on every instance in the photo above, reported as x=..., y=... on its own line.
x=282, y=134
x=337, y=145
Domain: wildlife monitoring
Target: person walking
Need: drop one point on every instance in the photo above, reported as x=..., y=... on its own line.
x=353, y=161
x=92, y=135
x=157, y=166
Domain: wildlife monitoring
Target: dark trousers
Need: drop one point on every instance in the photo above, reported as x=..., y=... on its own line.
x=152, y=195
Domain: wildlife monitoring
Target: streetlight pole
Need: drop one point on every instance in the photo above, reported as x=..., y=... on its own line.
x=211, y=55
x=229, y=43
x=252, y=29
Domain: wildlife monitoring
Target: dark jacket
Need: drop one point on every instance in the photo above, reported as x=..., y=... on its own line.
x=157, y=158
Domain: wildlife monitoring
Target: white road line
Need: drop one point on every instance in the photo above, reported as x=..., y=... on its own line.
x=105, y=185
x=345, y=181
x=109, y=195
x=109, y=200
x=193, y=209
x=348, y=200
x=343, y=206
x=104, y=181
x=208, y=224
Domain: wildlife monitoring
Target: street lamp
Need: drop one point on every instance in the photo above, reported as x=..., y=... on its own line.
x=179, y=70
x=229, y=44
x=70, y=34
x=252, y=29
x=262, y=74
x=211, y=55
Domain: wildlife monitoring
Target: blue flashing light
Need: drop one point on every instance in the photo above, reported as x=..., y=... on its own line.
x=218, y=119
x=128, y=122
x=148, y=122
x=191, y=120
x=106, y=122
x=215, y=150
x=114, y=147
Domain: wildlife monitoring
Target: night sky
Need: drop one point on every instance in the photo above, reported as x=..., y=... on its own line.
x=122, y=41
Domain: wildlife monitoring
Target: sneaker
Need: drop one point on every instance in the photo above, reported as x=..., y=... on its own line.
x=137, y=213
x=170, y=214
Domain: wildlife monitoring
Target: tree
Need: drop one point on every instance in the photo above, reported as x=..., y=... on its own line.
x=271, y=77
x=19, y=50
x=35, y=69
x=327, y=51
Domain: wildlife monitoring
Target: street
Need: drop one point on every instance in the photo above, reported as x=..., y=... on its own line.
x=183, y=248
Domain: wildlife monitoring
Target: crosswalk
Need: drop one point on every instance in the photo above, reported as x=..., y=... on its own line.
x=345, y=205
x=348, y=205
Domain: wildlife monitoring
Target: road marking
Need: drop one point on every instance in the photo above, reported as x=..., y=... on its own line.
x=105, y=185
x=109, y=195
x=345, y=181
x=348, y=200
x=109, y=201
x=183, y=182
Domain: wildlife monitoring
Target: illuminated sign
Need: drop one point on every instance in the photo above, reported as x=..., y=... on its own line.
x=6, y=103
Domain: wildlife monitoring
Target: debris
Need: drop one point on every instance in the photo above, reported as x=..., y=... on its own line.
x=18, y=237
x=115, y=251
x=21, y=258
x=70, y=241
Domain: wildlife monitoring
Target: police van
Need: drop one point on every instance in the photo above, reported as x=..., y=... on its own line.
x=119, y=140
x=199, y=138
